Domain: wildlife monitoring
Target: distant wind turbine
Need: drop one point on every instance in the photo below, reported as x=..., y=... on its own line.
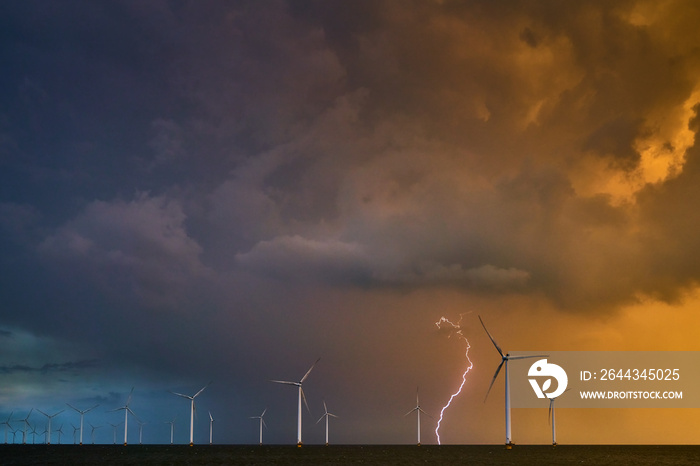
x=262, y=423
x=7, y=425
x=301, y=396
x=418, y=410
x=127, y=410
x=327, y=415
x=115, y=431
x=92, y=433
x=75, y=433
x=211, y=427
x=191, y=398
x=82, y=413
x=172, y=427
x=140, y=430
x=60, y=432
x=50, y=417
x=552, y=418
x=504, y=360
x=26, y=424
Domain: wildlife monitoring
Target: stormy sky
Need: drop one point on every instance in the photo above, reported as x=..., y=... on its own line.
x=226, y=191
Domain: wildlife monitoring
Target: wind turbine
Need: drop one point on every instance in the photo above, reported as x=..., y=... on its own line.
x=50, y=417
x=262, y=423
x=191, y=398
x=26, y=424
x=7, y=425
x=127, y=410
x=115, y=431
x=301, y=395
x=211, y=427
x=327, y=415
x=82, y=413
x=504, y=360
x=33, y=432
x=75, y=433
x=140, y=430
x=92, y=433
x=552, y=419
x=60, y=432
x=418, y=410
x=172, y=427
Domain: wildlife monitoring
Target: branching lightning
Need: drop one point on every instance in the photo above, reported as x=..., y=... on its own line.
x=458, y=331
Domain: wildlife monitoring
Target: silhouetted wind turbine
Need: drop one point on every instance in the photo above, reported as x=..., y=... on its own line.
x=7, y=425
x=504, y=360
x=127, y=410
x=82, y=413
x=262, y=423
x=191, y=398
x=49, y=427
x=418, y=410
x=327, y=415
x=301, y=396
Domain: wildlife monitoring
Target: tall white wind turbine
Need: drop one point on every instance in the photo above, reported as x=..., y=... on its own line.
x=82, y=413
x=49, y=427
x=326, y=415
x=211, y=427
x=191, y=398
x=504, y=360
x=7, y=425
x=127, y=410
x=262, y=423
x=418, y=410
x=301, y=396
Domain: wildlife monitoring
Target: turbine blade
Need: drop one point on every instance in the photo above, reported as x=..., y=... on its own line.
x=180, y=394
x=263, y=413
x=296, y=384
x=42, y=412
x=411, y=411
x=128, y=400
x=309, y=371
x=91, y=408
x=529, y=357
x=325, y=408
x=304, y=398
x=320, y=419
x=421, y=410
x=494, y=379
x=492, y=340
x=263, y=422
x=200, y=391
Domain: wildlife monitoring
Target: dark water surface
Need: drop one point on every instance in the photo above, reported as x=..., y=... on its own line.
x=353, y=454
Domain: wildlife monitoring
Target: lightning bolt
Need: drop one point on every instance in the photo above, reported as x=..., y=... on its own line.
x=458, y=330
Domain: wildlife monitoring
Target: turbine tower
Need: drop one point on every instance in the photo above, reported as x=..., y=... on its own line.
x=504, y=360
x=301, y=396
x=127, y=410
x=49, y=427
x=326, y=415
x=191, y=398
x=211, y=427
x=82, y=413
x=262, y=423
x=418, y=410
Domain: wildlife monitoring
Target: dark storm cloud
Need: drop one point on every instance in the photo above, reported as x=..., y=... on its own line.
x=71, y=366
